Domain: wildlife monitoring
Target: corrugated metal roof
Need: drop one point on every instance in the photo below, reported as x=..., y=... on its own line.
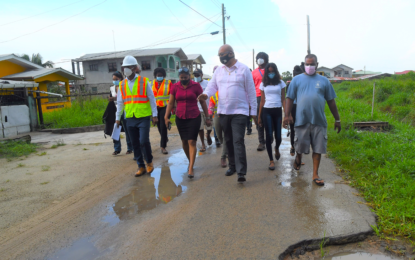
x=342, y=65
x=34, y=74
x=136, y=53
x=17, y=84
x=365, y=72
x=19, y=61
x=195, y=57
x=404, y=72
x=382, y=75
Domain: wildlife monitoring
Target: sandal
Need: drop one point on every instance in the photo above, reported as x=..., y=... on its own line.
x=292, y=151
x=271, y=167
x=297, y=166
x=202, y=149
x=279, y=154
x=209, y=139
x=116, y=152
x=129, y=152
x=318, y=183
x=164, y=151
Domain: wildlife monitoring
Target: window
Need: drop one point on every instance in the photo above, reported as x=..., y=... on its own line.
x=145, y=65
x=112, y=66
x=346, y=72
x=93, y=67
x=159, y=65
x=94, y=89
x=177, y=65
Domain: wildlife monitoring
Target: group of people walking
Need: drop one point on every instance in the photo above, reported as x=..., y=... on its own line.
x=232, y=98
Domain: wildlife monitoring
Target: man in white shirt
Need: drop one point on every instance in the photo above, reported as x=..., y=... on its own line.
x=236, y=89
x=137, y=96
x=198, y=77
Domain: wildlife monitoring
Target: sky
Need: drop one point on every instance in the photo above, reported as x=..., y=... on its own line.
x=375, y=34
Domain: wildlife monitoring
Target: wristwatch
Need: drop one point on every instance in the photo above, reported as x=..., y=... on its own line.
x=337, y=121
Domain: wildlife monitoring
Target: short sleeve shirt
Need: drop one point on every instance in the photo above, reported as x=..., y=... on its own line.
x=311, y=93
x=257, y=76
x=186, y=99
x=273, y=94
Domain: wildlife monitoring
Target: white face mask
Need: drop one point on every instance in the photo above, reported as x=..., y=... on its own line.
x=127, y=72
x=260, y=61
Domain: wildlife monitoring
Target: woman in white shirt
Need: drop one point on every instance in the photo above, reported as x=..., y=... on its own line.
x=270, y=110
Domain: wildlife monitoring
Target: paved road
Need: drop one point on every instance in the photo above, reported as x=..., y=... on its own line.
x=168, y=216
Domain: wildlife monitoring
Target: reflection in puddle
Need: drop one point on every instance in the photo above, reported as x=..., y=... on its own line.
x=81, y=249
x=161, y=187
x=358, y=256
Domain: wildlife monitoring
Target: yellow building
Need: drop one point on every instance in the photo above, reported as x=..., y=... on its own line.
x=12, y=67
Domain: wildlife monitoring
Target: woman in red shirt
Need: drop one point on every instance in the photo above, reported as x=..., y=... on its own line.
x=188, y=117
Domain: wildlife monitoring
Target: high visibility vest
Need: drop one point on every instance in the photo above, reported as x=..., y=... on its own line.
x=162, y=95
x=215, y=99
x=136, y=104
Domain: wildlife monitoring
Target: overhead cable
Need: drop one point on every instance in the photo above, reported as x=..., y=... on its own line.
x=200, y=14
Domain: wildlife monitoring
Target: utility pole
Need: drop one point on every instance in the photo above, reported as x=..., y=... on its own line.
x=223, y=23
x=253, y=59
x=308, y=35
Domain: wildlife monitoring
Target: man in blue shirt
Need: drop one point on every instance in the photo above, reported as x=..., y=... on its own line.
x=311, y=91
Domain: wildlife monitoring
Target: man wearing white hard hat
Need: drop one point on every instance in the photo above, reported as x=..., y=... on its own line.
x=137, y=98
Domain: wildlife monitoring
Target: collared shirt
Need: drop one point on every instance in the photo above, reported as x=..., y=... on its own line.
x=236, y=90
x=257, y=75
x=150, y=96
x=186, y=99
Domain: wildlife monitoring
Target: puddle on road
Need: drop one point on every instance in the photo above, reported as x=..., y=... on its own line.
x=161, y=187
x=358, y=256
x=81, y=249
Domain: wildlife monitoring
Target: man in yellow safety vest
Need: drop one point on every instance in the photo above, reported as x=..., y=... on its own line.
x=137, y=98
x=161, y=90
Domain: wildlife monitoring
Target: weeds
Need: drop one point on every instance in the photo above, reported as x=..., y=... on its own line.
x=7, y=181
x=85, y=149
x=2, y=189
x=43, y=183
x=54, y=146
x=20, y=165
x=322, y=243
x=45, y=168
x=380, y=165
x=12, y=149
x=60, y=142
x=42, y=154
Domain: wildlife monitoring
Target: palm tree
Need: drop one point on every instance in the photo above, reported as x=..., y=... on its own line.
x=37, y=59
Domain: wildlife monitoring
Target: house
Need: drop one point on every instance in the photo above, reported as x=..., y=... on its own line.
x=404, y=72
x=343, y=71
x=329, y=73
x=99, y=67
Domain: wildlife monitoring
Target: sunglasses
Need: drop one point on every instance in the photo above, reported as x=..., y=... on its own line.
x=184, y=69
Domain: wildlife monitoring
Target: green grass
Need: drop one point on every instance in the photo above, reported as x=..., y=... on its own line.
x=45, y=168
x=80, y=114
x=12, y=149
x=380, y=164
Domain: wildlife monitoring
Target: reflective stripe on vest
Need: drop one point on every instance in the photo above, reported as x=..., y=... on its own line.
x=215, y=99
x=136, y=102
x=162, y=95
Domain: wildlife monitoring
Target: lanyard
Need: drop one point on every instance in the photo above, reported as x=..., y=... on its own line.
x=260, y=72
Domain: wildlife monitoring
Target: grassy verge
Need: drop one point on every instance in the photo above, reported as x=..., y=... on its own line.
x=16, y=149
x=380, y=164
x=80, y=114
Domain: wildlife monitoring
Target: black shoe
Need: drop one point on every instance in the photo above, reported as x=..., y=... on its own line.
x=230, y=172
x=241, y=178
x=249, y=132
x=217, y=142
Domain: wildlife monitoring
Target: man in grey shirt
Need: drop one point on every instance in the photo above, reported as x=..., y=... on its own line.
x=311, y=91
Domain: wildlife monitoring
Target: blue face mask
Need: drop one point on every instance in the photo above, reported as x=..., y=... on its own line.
x=160, y=79
x=116, y=82
x=198, y=79
x=271, y=75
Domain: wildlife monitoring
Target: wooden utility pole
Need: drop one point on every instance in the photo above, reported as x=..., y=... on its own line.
x=373, y=98
x=308, y=35
x=253, y=59
x=223, y=23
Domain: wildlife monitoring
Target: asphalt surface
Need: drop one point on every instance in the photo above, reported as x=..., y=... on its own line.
x=165, y=215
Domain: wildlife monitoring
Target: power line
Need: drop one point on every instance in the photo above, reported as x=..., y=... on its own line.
x=199, y=36
x=41, y=29
x=199, y=13
x=237, y=34
x=40, y=14
x=174, y=14
x=216, y=4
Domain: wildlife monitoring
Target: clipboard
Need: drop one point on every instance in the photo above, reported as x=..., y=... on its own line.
x=116, y=132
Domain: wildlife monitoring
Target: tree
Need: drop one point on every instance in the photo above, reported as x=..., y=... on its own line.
x=37, y=59
x=287, y=76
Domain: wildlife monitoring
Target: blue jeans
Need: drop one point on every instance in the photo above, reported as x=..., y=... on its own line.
x=272, y=123
x=117, y=144
x=139, y=130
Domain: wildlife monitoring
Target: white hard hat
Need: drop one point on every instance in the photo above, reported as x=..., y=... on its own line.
x=129, y=61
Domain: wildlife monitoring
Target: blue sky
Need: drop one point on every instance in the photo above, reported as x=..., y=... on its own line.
x=376, y=34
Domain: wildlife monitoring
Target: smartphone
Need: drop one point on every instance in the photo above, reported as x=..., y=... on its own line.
x=169, y=126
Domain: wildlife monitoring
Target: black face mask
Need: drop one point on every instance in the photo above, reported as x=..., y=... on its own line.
x=184, y=82
x=225, y=59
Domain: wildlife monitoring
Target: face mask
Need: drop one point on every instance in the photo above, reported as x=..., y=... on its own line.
x=127, y=72
x=116, y=82
x=271, y=75
x=260, y=61
x=184, y=82
x=160, y=79
x=225, y=59
x=198, y=79
x=310, y=70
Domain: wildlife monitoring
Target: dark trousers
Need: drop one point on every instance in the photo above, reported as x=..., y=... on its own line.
x=260, y=129
x=139, y=130
x=292, y=134
x=272, y=124
x=234, y=129
x=161, y=125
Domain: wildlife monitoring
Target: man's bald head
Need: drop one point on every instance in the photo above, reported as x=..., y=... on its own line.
x=225, y=48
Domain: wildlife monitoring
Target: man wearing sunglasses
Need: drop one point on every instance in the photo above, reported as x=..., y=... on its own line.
x=137, y=98
x=237, y=93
